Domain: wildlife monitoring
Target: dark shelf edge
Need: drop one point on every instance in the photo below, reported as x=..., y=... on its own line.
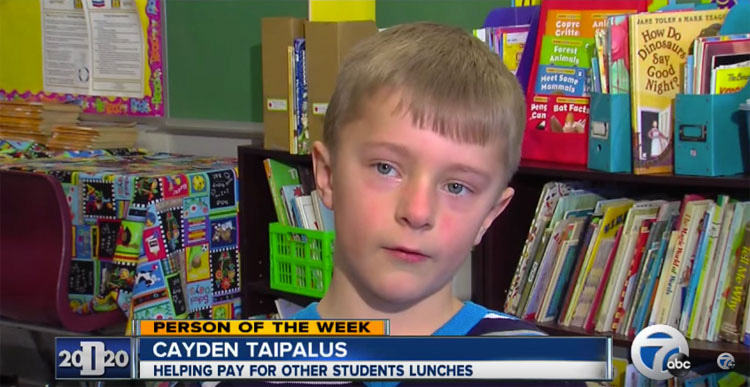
x=263, y=287
x=698, y=348
x=563, y=171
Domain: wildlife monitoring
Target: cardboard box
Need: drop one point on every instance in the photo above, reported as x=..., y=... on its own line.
x=277, y=33
x=327, y=45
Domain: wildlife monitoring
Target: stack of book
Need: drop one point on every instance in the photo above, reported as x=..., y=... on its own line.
x=619, y=265
x=94, y=135
x=507, y=42
x=297, y=204
x=32, y=121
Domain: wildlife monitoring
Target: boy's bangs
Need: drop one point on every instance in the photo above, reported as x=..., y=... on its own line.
x=456, y=117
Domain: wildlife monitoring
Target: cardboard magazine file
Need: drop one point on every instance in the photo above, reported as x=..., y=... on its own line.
x=609, y=133
x=277, y=34
x=327, y=46
x=711, y=136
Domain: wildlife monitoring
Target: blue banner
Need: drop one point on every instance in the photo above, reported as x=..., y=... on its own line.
x=596, y=349
x=93, y=358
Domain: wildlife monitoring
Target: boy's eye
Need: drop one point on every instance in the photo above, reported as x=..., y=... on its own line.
x=384, y=169
x=456, y=188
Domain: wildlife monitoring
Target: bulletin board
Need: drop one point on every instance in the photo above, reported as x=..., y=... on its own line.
x=21, y=62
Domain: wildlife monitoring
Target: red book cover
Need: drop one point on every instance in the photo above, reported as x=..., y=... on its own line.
x=539, y=141
x=635, y=265
x=591, y=318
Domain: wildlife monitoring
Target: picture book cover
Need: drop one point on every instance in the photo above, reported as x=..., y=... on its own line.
x=730, y=79
x=659, y=44
x=512, y=42
x=568, y=114
x=561, y=80
x=721, y=53
x=568, y=52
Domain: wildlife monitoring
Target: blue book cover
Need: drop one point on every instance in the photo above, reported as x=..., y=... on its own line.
x=300, y=97
x=651, y=284
x=570, y=81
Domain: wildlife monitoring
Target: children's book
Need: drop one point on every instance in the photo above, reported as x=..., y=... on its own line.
x=567, y=52
x=719, y=52
x=512, y=41
x=322, y=213
x=618, y=52
x=659, y=44
x=731, y=323
x=304, y=205
x=288, y=194
x=741, y=214
x=279, y=175
x=696, y=268
x=561, y=80
x=300, y=97
x=730, y=78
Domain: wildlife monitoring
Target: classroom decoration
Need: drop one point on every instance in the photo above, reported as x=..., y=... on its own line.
x=27, y=77
x=155, y=234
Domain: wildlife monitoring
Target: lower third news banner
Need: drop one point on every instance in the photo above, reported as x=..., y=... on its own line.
x=374, y=358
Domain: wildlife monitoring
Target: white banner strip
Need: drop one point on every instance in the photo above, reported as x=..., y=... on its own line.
x=374, y=370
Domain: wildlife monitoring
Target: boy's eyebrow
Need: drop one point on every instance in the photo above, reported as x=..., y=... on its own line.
x=400, y=149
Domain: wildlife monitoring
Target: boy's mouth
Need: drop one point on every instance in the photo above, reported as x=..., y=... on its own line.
x=406, y=254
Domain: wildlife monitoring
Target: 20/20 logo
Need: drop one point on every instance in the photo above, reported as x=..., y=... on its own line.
x=100, y=358
x=660, y=352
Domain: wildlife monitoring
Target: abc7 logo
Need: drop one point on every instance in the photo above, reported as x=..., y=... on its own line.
x=660, y=352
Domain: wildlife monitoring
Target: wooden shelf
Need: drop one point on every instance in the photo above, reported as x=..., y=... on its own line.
x=562, y=171
x=698, y=349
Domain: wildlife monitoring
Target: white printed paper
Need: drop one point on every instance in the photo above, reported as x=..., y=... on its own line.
x=117, y=48
x=65, y=47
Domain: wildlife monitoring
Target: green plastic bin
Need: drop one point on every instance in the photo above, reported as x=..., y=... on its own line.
x=301, y=259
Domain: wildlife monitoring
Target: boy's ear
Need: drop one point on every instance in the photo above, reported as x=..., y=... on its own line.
x=323, y=170
x=497, y=209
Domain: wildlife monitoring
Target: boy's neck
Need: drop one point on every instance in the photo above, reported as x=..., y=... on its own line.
x=344, y=301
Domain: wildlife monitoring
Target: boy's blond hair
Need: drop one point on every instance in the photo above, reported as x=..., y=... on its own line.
x=447, y=79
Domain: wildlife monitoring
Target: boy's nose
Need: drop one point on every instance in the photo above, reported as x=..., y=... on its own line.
x=416, y=205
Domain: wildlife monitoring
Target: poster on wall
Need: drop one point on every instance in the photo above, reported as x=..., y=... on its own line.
x=104, y=55
x=116, y=48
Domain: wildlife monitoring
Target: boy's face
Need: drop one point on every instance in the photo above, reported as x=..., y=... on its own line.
x=409, y=203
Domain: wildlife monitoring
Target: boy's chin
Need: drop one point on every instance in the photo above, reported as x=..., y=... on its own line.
x=401, y=289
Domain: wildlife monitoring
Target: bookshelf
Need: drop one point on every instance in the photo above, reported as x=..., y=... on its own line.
x=494, y=260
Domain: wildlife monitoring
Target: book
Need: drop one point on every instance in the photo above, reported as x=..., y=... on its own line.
x=695, y=270
x=730, y=78
x=741, y=215
x=659, y=44
x=278, y=175
x=618, y=52
x=304, y=205
x=708, y=270
x=565, y=52
x=545, y=207
x=692, y=218
x=583, y=249
x=302, y=133
x=592, y=280
x=720, y=51
x=731, y=323
x=322, y=213
x=590, y=322
x=289, y=193
x=640, y=211
x=561, y=80
x=628, y=286
x=712, y=302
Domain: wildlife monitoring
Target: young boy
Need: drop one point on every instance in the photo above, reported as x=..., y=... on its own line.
x=421, y=136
